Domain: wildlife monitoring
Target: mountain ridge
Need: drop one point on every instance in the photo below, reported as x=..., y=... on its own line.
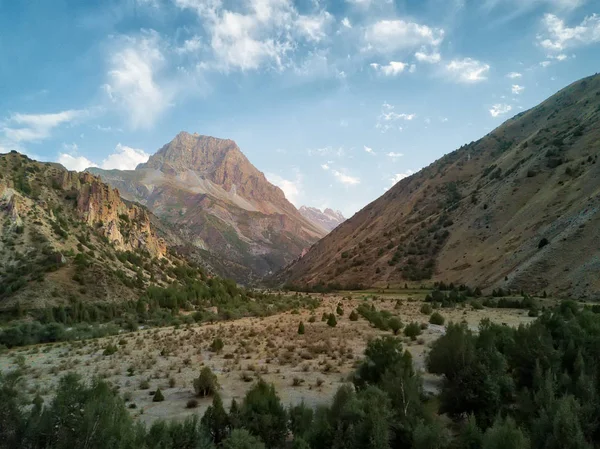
x=328, y=218
x=515, y=210
x=221, y=204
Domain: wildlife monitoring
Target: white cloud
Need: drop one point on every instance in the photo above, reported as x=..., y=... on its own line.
x=369, y=150
x=400, y=176
x=467, y=70
x=393, y=35
x=513, y=75
x=292, y=188
x=77, y=163
x=327, y=151
x=392, y=69
x=500, y=109
x=345, y=179
x=257, y=33
x=191, y=45
x=394, y=156
x=132, y=79
x=412, y=68
x=325, y=167
x=388, y=118
x=344, y=123
x=20, y=128
x=516, y=89
x=346, y=22
x=545, y=63
x=557, y=36
x=431, y=58
x=125, y=158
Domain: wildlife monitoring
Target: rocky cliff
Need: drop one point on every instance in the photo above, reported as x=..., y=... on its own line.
x=327, y=219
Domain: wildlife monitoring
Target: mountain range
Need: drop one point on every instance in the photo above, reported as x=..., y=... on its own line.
x=327, y=219
x=219, y=204
x=518, y=209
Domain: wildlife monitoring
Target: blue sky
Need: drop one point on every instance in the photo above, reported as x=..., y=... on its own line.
x=333, y=100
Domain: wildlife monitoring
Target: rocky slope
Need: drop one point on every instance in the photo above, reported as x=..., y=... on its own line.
x=66, y=235
x=219, y=203
x=518, y=209
x=327, y=219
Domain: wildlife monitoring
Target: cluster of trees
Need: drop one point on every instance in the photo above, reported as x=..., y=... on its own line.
x=158, y=306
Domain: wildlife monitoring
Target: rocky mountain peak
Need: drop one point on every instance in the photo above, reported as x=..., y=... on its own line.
x=327, y=219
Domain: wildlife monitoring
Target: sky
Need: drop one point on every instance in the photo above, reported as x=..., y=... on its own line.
x=335, y=101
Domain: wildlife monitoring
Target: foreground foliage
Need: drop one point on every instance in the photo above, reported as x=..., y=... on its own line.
x=534, y=387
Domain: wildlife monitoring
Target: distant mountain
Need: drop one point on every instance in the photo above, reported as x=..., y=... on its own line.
x=328, y=219
x=518, y=209
x=219, y=203
x=66, y=236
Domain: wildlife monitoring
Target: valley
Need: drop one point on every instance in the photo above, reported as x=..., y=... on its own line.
x=306, y=368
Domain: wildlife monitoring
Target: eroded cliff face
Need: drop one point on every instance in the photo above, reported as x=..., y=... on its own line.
x=67, y=235
x=220, y=203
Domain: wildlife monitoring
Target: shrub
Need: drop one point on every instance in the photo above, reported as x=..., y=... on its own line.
x=353, y=316
x=331, y=321
x=301, y=328
x=339, y=310
x=543, y=243
x=426, y=309
x=158, y=396
x=312, y=319
x=144, y=384
x=436, y=318
x=242, y=439
x=412, y=330
x=206, y=384
x=192, y=403
x=110, y=350
x=395, y=324
x=217, y=345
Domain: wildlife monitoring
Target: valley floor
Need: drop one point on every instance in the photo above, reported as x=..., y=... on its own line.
x=307, y=367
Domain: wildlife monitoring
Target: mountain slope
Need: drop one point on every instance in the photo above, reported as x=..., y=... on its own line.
x=67, y=236
x=219, y=203
x=327, y=219
x=518, y=209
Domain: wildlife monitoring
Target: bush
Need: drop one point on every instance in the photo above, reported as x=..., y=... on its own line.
x=312, y=319
x=192, y=403
x=395, y=324
x=437, y=318
x=413, y=330
x=110, y=350
x=426, y=309
x=206, y=384
x=331, y=321
x=242, y=439
x=339, y=310
x=158, y=396
x=263, y=414
x=217, y=345
x=144, y=384
x=301, y=328
x=353, y=316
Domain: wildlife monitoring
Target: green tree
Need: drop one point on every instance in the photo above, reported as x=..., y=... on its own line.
x=301, y=419
x=505, y=435
x=242, y=439
x=353, y=316
x=437, y=318
x=331, y=321
x=395, y=324
x=301, y=328
x=430, y=436
x=412, y=330
x=470, y=436
x=216, y=421
x=158, y=396
x=263, y=415
x=381, y=354
x=206, y=384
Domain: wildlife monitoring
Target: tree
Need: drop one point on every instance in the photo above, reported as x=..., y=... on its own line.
x=217, y=345
x=394, y=324
x=216, y=421
x=339, y=310
x=158, y=396
x=206, y=384
x=430, y=436
x=353, y=316
x=301, y=419
x=263, y=414
x=437, y=319
x=234, y=415
x=470, y=436
x=412, y=330
x=331, y=321
x=505, y=435
x=242, y=439
x=301, y=328
x=381, y=354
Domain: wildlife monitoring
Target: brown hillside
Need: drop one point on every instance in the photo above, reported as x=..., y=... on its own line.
x=66, y=236
x=518, y=209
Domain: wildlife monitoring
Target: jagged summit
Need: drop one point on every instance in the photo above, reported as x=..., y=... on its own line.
x=328, y=219
x=223, y=204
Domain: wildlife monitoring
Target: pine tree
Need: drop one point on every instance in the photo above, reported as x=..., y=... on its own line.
x=301, y=328
x=331, y=321
x=216, y=421
x=158, y=396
